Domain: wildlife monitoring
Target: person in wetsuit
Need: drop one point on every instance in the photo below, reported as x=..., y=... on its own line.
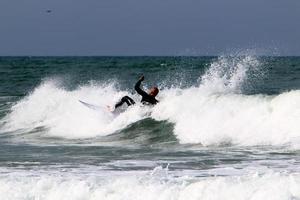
x=147, y=98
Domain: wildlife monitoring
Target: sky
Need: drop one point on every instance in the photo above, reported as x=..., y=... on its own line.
x=148, y=27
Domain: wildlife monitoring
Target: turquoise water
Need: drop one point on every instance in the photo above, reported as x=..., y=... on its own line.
x=224, y=126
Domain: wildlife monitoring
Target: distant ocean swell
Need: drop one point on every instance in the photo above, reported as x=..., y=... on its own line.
x=213, y=112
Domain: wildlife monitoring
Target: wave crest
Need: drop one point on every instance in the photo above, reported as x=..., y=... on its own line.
x=211, y=113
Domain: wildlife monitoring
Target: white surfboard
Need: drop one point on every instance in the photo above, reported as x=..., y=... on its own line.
x=93, y=107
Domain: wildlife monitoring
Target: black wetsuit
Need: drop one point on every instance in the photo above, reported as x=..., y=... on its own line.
x=126, y=99
x=146, y=98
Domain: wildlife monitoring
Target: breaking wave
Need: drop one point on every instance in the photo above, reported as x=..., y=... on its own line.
x=212, y=112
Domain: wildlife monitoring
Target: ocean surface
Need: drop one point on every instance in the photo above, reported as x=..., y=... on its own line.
x=226, y=127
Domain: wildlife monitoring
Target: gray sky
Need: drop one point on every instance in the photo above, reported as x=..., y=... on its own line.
x=148, y=27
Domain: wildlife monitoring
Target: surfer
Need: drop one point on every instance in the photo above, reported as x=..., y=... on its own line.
x=147, y=98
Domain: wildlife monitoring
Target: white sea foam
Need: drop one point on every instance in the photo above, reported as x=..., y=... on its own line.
x=235, y=118
x=211, y=113
x=154, y=185
x=59, y=110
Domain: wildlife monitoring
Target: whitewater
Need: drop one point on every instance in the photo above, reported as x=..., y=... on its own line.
x=224, y=128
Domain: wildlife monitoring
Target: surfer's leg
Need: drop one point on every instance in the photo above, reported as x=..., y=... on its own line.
x=126, y=99
x=131, y=100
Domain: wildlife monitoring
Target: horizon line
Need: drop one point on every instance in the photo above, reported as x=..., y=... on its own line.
x=143, y=55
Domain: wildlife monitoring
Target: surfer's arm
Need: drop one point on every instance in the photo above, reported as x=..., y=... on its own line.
x=138, y=89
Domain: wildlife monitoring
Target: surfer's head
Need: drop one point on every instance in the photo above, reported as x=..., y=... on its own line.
x=153, y=91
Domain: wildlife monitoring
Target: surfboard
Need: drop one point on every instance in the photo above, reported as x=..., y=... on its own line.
x=91, y=106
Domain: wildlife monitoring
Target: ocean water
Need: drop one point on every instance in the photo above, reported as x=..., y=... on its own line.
x=226, y=127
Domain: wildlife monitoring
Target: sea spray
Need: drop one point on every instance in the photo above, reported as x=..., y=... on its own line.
x=230, y=74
